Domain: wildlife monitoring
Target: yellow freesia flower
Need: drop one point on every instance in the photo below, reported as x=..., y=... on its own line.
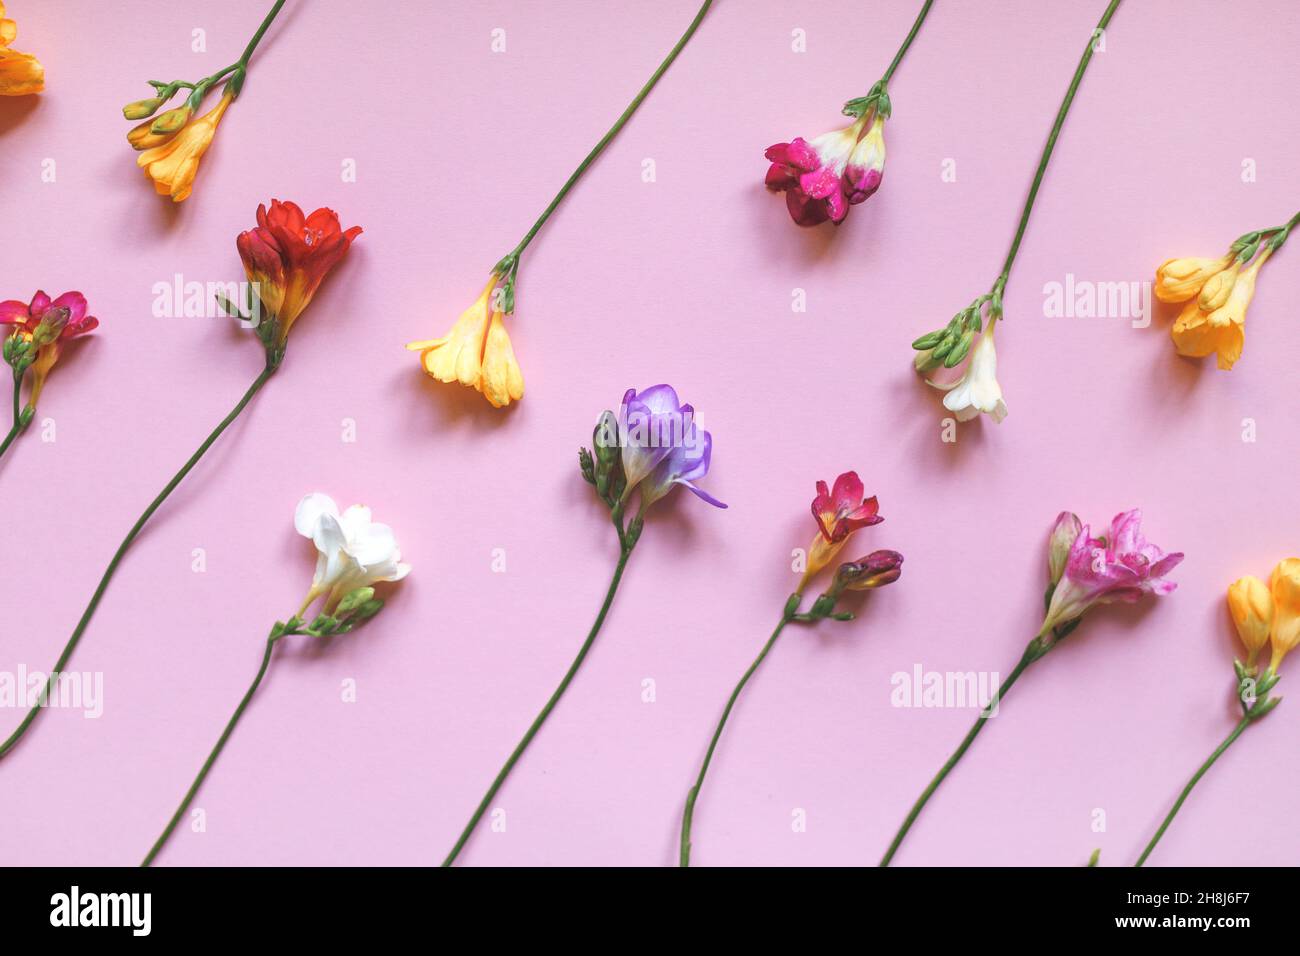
x=20, y=73
x=1251, y=606
x=1214, y=322
x=1178, y=280
x=173, y=164
x=1284, y=585
x=476, y=352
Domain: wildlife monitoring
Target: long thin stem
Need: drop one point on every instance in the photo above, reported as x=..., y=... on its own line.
x=624, y=553
x=216, y=751
x=1028, y=658
x=18, y=426
x=1051, y=140
x=253, y=389
x=1218, y=752
x=261, y=32
x=613, y=130
x=689, y=813
x=902, y=50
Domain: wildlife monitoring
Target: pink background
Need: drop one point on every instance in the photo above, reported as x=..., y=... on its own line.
x=689, y=280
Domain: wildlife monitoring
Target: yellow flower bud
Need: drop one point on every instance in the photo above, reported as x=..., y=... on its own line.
x=1178, y=280
x=171, y=121
x=141, y=109
x=1251, y=607
x=1284, y=584
x=1218, y=287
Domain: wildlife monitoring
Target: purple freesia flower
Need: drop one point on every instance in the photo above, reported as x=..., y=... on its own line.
x=661, y=445
x=1104, y=570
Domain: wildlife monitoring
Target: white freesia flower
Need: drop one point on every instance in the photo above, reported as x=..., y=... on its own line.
x=355, y=552
x=978, y=389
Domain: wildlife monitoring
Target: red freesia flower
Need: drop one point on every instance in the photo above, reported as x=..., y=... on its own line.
x=288, y=255
x=844, y=510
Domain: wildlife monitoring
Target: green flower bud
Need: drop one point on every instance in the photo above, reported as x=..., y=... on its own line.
x=960, y=350
x=353, y=600
x=171, y=121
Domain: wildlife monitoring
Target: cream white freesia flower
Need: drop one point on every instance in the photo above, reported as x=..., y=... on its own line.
x=978, y=389
x=355, y=551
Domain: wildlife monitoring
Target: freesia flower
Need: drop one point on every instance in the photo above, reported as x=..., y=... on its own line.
x=173, y=164
x=287, y=256
x=839, y=512
x=1251, y=607
x=355, y=552
x=20, y=73
x=1083, y=572
x=46, y=324
x=978, y=389
x=1260, y=614
x=173, y=143
x=476, y=352
x=1217, y=293
x=682, y=459
x=1121, y=567
x=1213, y=322
x=1284, y=588
x=823, y=178
x=812, y=175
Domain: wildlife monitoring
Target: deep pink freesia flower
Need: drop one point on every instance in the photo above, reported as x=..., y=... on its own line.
x=46, y=324
x=1119, y=568
x=844, y=509
x=27, y=316
x=823, y=178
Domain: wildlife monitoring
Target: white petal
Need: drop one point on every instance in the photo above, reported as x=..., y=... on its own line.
x=310, y=509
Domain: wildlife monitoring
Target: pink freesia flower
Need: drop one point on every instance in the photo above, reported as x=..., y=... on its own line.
x=843, y=510
x=1103, y=570
x=27, y=316
x=836, y=170
x=55, y=320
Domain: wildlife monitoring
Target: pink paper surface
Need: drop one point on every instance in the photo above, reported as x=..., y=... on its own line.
x=688, y=279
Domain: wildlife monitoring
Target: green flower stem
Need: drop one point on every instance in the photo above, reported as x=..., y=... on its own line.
x=685, y=857
x=1051, y=145
x=276, y=634
x=902, y=50
x=239, y=67
x=625, y=551
x=1281, y=234
x=261, y=380
x=512, y=259
x=1033, y=652
x=1218, y=752
x=18, y=425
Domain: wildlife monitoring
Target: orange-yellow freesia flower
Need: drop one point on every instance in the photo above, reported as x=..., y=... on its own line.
x=1251, y=606
x=173, y=164
x=476, y=352
x=1284, y=585
x=1214, y=322
x=20, y=73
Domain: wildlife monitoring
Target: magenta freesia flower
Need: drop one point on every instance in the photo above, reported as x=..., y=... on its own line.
x=1119, y=568
x=822, y=179
x=40, y=327
x=844, y=509
x=27, y=316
